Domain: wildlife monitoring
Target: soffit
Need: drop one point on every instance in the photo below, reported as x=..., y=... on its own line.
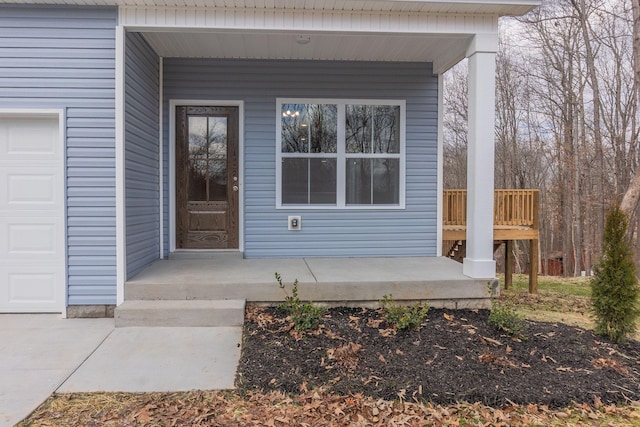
x=349, y=47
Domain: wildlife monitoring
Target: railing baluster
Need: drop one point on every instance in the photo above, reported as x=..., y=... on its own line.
x=511, y=207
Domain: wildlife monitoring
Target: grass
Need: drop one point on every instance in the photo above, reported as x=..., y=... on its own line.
x=568, y=286
x=559, y=299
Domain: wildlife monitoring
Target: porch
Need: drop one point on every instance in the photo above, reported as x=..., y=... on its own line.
x=352, y=281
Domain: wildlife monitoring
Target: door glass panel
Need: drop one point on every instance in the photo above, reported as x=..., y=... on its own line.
x=217, y=180
x=197, y=180
x=197, y=136
x=207, y=158
x=218, y=137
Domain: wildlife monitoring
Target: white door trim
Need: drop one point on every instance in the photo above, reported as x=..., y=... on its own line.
x=61, y=293
x=173, y=103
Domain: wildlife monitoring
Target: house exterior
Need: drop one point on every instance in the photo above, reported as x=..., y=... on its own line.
x=132, y=129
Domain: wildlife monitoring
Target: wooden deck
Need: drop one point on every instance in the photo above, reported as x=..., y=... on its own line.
x=516, y=217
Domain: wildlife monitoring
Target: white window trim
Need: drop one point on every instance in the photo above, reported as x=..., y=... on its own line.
x=341, y=155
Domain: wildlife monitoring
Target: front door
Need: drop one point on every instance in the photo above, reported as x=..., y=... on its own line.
x=206, y=177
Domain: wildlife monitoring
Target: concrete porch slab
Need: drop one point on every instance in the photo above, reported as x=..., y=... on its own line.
x=331, y=280
x=139, y=359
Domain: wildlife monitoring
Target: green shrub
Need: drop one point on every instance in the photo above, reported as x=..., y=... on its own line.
x=305, y=316
x=505, y=318
x=614, y=286
x=403, y=317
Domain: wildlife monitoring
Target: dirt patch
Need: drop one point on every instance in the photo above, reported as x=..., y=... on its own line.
x=456, y=356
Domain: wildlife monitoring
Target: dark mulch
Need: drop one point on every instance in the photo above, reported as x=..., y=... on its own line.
x=456, y=356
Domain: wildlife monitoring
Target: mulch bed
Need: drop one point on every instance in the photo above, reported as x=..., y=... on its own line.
x=456, y=356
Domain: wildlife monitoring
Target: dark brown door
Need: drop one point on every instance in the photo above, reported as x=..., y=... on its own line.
x=207, y=177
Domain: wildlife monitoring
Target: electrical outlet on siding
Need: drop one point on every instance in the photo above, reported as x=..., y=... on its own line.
x=294, y=222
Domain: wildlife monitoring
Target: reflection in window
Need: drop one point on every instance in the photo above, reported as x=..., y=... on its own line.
x=207, y=158
x=308, y=181
x=362, y=168
x=309, y=128
x=372, y=181
x=372, y=128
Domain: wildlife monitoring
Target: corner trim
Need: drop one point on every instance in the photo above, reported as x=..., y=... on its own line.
x=439, y=165
x=121, y=254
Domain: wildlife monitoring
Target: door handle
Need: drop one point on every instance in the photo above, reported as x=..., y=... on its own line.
x=235, y=188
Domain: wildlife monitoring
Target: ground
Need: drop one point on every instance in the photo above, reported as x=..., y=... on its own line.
x=357, y=370
x=455, y=356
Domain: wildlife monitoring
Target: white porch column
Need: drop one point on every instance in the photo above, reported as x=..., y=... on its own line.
x=479, y=261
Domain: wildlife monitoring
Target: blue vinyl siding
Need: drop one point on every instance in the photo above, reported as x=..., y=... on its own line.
x=64, y=58
x=408, y=232
x=142, y=182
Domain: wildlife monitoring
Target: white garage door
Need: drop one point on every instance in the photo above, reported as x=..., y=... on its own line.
x=32, y=255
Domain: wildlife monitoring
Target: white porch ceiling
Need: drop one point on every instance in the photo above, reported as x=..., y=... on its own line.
x=360, y=47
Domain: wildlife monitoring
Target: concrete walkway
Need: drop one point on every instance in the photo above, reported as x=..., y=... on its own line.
x=42, y=353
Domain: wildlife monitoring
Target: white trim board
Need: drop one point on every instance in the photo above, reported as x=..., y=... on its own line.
x=173, y=103
x=121, y=239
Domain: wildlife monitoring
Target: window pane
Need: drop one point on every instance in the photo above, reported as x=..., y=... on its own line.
x=386, y=129
x=373, y=182
x=323, y=181
x=358, y=191
x=295, y=181
x=197, y=180
x=309, y=128
x=386, y=181
x=358, y=129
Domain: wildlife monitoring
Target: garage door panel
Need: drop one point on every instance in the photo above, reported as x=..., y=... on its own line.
x=39, y=189
x=22, y=138
x=32, y=235
x=23, y=240
x=30, y=287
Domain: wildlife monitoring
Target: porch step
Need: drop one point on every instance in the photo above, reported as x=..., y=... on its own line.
x=180, y=313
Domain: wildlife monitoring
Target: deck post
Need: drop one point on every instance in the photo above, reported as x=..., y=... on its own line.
x=533, y=267
x=508, y=263
x=479, y=262
x=534, y=250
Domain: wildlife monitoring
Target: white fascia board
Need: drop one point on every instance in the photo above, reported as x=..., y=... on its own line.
x=502, y=7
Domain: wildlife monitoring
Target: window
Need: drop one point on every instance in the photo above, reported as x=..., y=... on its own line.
x=340, y=154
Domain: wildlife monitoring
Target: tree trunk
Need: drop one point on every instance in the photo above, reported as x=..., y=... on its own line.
x=631, y=197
